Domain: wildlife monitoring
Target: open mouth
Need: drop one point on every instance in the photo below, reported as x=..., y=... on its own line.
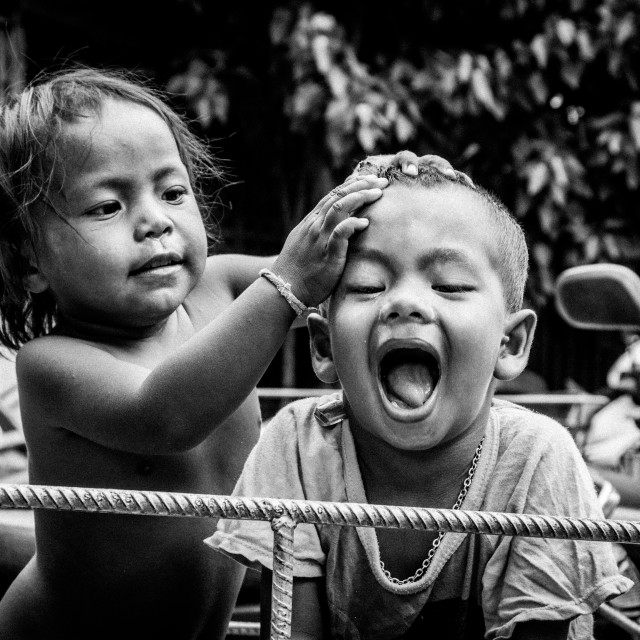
x=408, y=377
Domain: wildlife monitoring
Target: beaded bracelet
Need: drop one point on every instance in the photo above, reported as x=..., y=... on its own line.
x=284, y=289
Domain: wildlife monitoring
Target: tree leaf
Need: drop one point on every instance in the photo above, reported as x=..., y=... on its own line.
x=566, y=31
x=538, y=177
x=465, y=67
x=404, y=128
x=540, y=49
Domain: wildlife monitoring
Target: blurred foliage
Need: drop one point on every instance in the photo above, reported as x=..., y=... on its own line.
x=12, y=50
x=538, y=101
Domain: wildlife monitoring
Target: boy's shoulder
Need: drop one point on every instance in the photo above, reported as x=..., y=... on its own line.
x=311, y=425
x=527, y=428
x=318, y=413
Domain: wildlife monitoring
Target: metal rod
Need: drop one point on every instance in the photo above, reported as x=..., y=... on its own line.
x=618, y=618
x=518, y=398
x=157, y=503
x=282, y=581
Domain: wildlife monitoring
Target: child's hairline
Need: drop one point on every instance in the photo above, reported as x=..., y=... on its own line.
x=491, y=204
x=34, y=122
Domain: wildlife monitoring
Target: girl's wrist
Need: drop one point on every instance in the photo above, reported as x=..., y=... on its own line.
x=284, y=289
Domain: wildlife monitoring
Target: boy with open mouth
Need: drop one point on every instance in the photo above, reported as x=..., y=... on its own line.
x=425, y=320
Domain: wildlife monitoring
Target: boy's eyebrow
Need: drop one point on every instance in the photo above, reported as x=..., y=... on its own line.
x=437, y=255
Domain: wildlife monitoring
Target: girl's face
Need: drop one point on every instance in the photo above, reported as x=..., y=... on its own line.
x=130, y=244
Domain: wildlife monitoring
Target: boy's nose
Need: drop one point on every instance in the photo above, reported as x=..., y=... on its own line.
x=408, y=304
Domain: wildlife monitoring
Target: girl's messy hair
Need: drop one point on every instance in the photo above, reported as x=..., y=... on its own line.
x=31, y=126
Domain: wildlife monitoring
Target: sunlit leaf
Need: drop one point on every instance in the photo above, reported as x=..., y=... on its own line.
x=538, y=88
x=321, y=48
x=338, y=81
x=538, y=177
x=591, y=248
x=465, y=66
x=540, y=50
x=548, y=218
x=626, y=29
x=566, y=31
x=367, y=137
x=559, y=172
x=634, y=124
x=404, y=128
x=484, y=94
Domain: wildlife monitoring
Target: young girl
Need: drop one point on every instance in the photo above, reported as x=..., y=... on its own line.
x=139, y=354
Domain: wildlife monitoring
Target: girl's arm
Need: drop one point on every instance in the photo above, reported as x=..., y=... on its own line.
x=309, y=612
x=542, y=630
x=107, y=393
x=229, y=274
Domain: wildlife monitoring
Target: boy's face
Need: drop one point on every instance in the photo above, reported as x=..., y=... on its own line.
x=417, y=323
x=131, y=244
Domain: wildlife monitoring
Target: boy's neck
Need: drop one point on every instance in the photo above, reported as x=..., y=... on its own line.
x=405, y=472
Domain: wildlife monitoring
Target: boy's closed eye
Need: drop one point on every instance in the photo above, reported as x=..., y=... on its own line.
x=365, y=289
x=453, y=288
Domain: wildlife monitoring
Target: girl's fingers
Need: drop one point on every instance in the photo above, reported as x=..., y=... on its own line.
x=343, y=209
x=445, y=168
x=407, y=161
x=439, y=164
x=346, y=189
x=339, y=238
x=466, y=178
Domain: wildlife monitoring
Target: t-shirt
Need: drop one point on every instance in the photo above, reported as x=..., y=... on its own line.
x=476, y=585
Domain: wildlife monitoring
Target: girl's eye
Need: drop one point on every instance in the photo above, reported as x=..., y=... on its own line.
x=175, y=195
x=105, y=209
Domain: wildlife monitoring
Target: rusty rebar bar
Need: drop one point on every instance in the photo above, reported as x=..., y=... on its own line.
x=156, y=503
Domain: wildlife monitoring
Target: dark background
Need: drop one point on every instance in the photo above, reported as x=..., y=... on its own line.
x=281, y=162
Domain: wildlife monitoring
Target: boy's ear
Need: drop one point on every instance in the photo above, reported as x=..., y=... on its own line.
x=320, y=345
x=516, y=344
x=34, y=281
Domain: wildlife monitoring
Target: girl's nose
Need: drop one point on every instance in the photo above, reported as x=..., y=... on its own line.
x=408, y=303
x=152, y=222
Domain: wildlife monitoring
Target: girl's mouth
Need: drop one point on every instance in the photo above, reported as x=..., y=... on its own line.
x=157, y=263
x=408, y=377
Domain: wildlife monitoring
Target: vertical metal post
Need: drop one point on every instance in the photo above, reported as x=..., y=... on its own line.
x=282, y=585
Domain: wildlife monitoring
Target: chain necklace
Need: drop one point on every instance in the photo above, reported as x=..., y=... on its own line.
x=436, y=543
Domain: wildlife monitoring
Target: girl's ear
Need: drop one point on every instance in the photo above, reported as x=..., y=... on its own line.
x=34, y=281
x=516, y=344
x=320, y=345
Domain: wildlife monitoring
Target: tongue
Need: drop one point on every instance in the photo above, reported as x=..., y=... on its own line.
x=410, y=383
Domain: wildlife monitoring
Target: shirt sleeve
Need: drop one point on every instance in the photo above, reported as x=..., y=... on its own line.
x=547, y=579
x=272, y=470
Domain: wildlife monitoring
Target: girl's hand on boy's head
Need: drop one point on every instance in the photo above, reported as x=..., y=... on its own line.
x=314, y=253
x=409, y=163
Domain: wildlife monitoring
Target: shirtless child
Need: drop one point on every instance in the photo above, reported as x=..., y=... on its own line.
x=139, y=354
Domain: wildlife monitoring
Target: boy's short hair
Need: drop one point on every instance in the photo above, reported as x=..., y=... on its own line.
x=511, y=254
x=31, y=127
